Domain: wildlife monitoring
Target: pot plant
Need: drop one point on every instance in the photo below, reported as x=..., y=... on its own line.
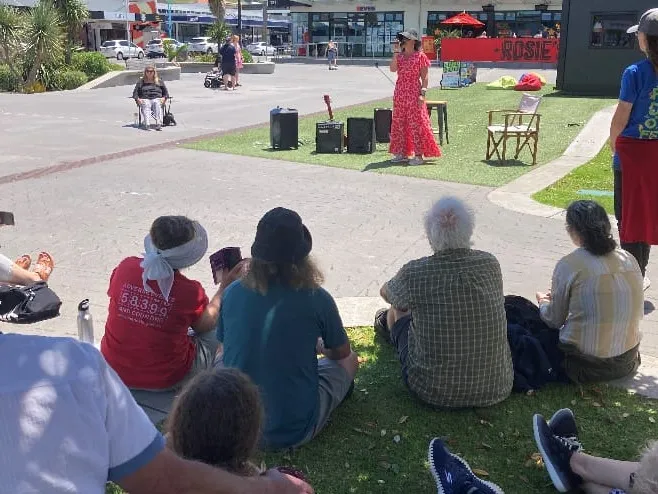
x=440, y=35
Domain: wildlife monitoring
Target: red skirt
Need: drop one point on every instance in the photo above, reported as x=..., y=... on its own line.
x=639, y=166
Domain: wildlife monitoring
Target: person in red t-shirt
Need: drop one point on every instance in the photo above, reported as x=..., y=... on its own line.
x=153, y=307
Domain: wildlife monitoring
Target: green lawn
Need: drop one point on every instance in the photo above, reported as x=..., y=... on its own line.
x=463, y=159
x=595, y=175
x=359, y=452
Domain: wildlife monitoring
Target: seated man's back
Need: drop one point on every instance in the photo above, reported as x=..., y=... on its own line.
x=458, y=350
x=67, y=423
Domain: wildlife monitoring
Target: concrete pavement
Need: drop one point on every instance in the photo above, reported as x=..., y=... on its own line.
x=93, y=211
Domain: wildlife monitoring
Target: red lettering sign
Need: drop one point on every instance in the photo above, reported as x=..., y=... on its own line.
x=537, y=50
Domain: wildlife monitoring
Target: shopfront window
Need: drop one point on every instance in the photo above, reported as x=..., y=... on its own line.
x=381, y=32
x=356, y=35
x=299, y=28
x=320, y=27
x=609, y=30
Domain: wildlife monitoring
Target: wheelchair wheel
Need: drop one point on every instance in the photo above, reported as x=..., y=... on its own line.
x=207, y=83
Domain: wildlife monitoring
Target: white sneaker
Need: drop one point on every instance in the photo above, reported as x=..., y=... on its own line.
x=416, y=160
x=646, y=283
x=398, y=158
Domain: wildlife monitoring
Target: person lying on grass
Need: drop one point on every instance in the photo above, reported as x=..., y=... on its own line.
x=447, y=317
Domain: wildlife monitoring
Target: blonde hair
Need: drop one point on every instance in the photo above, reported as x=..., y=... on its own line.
x=646, y=477
x=156, y=78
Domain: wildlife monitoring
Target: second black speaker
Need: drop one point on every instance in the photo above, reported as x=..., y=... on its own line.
x=383, y=120
x=361, y=135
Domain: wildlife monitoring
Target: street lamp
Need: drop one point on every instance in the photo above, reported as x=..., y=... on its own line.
x=240, y=17
x=169, y=23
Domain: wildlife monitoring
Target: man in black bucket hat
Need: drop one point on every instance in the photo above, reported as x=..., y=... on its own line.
x=274, y=322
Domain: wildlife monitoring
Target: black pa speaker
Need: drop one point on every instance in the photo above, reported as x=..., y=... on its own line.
x=361, y=135
x=329, y=137
x=284, y=128
x=383, y=121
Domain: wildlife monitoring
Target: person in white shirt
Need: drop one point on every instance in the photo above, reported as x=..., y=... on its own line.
x=68, y=424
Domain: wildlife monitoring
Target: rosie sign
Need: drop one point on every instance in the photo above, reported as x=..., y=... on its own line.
x=500, y=50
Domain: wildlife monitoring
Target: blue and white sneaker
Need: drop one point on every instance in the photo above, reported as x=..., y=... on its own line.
x=563, y=424
x=556, y=452
x=453, y=475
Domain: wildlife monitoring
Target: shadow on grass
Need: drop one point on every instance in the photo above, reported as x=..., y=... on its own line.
x=562, y=94
x=506, y=163
x=379, y=165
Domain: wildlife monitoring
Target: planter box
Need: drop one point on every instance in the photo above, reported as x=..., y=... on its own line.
x=249, y=68
x=128, y=78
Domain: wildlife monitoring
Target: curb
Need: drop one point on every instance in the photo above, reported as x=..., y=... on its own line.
x=517, y=195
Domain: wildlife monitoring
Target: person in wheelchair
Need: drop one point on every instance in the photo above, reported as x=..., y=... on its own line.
x=150, y=94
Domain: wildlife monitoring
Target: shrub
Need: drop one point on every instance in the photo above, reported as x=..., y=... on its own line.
x=8, y=80
x=206, y=57
x=67, y=78
x=246, y=56
x=92, y=63
x=35, y=87
x=114, y=67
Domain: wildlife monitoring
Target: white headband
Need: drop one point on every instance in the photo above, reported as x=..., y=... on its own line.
x=159, y=265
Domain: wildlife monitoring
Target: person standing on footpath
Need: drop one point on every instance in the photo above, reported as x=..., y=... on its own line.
x=634, y=142
x=229, y=63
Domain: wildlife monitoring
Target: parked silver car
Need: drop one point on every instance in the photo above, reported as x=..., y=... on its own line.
x=155, y=47
x=121, y=49
x=202, y=44
x=261, y=48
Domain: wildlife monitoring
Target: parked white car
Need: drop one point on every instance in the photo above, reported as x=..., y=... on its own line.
x=261, y=48
x=155, y=47
x=121, y=49
x=203, y=44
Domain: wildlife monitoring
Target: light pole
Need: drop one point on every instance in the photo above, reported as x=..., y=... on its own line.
x=240, y=18
x=169, y=23
x=127, y=22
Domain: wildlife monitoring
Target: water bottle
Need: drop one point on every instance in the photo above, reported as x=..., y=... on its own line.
x=85, y=323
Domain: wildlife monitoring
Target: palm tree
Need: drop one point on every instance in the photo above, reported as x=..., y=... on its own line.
x=44, y=38
x=218, y=9
x=73, y=14
x=12, y=26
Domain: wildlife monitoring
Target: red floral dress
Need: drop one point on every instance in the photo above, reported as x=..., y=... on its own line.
x=411, y=131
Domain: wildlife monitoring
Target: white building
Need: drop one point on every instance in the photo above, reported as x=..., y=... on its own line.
x=367, y=27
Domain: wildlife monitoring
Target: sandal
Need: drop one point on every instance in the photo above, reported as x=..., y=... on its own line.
x=25, y=261
x=44, y=266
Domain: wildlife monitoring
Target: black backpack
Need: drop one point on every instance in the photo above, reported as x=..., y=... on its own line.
x=28, y=304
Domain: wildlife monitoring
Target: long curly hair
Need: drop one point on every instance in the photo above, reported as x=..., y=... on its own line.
x=299, y=276
x=646, y=477
x=590, y=222
x=217, y=420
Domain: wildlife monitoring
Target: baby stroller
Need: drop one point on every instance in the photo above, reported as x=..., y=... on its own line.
x=214, y=79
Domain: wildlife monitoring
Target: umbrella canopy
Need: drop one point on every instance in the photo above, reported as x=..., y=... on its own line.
x=463, y=19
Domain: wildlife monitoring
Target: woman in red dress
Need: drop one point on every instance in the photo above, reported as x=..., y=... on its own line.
x=411, y=131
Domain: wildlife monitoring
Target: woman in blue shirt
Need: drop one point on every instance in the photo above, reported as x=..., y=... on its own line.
x=637, y=116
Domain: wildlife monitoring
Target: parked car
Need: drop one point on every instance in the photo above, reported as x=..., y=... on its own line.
x=155, y=47
x=203, y=44
x=121, y=49
x=261, y=48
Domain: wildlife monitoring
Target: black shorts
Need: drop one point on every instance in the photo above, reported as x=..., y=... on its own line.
x=228, y=69
x=400, y=340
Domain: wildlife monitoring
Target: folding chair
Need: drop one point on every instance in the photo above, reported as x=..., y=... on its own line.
x=513, y=126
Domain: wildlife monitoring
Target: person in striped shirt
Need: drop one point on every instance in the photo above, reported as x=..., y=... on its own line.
x=596, y=300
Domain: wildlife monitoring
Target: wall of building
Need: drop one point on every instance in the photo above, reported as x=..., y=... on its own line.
x=594, y=47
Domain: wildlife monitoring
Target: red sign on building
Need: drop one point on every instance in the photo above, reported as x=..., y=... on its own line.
x=536, y=50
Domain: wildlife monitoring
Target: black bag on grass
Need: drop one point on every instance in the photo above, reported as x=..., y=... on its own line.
x=28, y=304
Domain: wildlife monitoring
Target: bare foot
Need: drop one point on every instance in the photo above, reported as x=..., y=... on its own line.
x=25, y=261
x=44, y=266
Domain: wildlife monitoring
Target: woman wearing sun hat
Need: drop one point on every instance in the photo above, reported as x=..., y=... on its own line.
x=411, y=131
x=634, y=140
x=153, y=306
x=272, y=324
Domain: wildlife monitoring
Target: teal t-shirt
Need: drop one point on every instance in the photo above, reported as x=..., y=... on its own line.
x=272, y=338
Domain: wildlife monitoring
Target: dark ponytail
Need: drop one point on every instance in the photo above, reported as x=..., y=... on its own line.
x=590, y=222
x=652, y=50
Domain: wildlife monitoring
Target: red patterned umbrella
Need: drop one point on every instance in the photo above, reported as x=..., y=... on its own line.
x=463, y=19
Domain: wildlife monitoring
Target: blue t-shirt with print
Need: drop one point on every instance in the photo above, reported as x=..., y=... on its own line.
x=639, y=86
x=272, y=338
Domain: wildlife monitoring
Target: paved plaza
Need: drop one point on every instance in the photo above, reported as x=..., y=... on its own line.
x=90, y=211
